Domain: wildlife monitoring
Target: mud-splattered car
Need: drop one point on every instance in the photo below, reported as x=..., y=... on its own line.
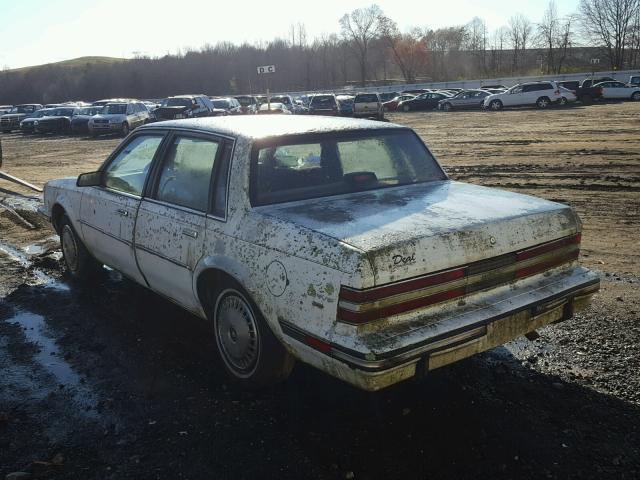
x=338, y=242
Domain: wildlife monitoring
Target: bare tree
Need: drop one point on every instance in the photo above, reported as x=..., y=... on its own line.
x=360, y=27
x=408, y=50
x=609, y=23
x=476, y=42
x=520, y=30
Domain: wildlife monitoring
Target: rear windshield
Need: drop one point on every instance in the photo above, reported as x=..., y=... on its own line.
x=284, y=100
x=221, y=104
x=245, y=101
x=115, y=109
x=177, y=102
x=296, y=168
x=323, y=100
x=368, y=98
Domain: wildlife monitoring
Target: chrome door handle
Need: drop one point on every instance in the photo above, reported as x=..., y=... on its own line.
x=122, y=212
x=190, y=233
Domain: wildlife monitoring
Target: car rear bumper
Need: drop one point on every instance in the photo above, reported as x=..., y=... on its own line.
x=386, y=357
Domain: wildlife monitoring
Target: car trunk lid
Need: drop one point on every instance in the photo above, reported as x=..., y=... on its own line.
x=406, y=232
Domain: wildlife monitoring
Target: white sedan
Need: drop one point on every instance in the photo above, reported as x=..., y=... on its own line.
x=338, y=242
x=618, y=90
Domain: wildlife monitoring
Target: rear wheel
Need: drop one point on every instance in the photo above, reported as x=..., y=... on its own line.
x=252, y=355
x=79, y=263
x=543, y=102
x=587, y=99
x=635, y=96
x=496, y=105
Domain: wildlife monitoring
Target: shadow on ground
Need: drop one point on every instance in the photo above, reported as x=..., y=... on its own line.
x=143, y=396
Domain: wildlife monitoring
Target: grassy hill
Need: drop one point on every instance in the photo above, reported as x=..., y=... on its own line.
x=75, y=62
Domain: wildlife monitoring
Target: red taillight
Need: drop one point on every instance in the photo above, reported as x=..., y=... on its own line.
x=362, y=306
x=548, y=247
x=359, y=296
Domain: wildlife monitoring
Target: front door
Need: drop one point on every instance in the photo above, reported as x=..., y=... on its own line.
x=171, y=223
x=108, y=212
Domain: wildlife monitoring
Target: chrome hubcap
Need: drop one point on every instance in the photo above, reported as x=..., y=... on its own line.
x=237, y=334
x=69, y=248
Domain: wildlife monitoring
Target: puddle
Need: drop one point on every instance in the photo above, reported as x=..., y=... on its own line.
x=49, y=357
x=34, y=250
x=21, y=257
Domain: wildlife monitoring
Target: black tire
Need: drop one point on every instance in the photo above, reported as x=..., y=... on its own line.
x=6, y=131
x=447, y=107
x=635, y=96
x=496, y=105
x=406, y=108
x=251, y=354
x=79, y=263
x=124, y=129
x=543, y=102
x=586, y=99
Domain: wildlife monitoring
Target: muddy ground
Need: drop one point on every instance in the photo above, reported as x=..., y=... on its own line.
x=113, y=382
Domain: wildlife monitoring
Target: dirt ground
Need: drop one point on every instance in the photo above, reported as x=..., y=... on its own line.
x=114, y=382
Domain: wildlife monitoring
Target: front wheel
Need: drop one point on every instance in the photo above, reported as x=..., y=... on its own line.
x=635, y=96
x=543, y=102
x=406, y=108
x=124, y=129
x=447, y=107
x=79, y=263
x=252, y=355
x=564, y=101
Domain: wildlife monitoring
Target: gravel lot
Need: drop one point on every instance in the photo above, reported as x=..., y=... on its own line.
x=114, y=382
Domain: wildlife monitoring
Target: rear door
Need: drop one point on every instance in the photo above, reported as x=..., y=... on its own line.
x=108, y=212
x=171, y=221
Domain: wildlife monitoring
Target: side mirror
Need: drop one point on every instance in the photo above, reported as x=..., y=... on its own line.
x=91, y=179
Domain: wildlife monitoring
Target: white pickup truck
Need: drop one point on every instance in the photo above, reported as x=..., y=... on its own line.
x=338, y=242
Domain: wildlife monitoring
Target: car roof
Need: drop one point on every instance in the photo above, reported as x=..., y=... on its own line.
x=255, y=127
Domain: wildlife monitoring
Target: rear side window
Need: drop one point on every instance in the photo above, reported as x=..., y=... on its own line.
x=331, y=164
x=185, y=176
x=128, y=171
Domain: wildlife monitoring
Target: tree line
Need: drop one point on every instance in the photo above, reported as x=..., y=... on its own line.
x=370, y=49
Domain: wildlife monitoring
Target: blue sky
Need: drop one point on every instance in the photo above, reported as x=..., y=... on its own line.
x=41, y=31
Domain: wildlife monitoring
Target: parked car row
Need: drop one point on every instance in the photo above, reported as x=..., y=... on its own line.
x=121, y=115
x=117, y=115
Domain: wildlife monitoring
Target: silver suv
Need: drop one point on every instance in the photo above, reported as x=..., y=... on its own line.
x=368, y=105
x=119, y=117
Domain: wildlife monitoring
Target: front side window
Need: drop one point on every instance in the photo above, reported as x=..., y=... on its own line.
x=128, y=171
x=292, y=169
x=186, y=173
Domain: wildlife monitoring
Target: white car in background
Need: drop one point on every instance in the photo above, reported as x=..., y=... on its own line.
x=567, y=96
x=540, y=94
x=335, y=241
x=619, y=91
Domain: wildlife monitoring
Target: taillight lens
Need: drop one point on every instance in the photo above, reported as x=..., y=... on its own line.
x=367, y=305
